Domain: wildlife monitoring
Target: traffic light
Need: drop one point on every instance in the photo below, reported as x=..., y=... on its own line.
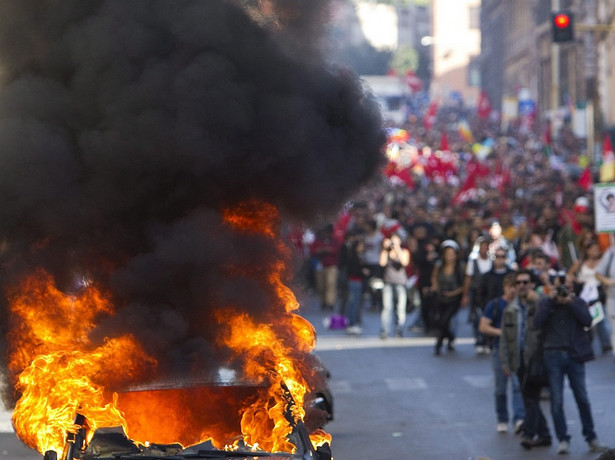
x=562, y=23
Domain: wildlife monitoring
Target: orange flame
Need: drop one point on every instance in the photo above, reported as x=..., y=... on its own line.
x=65, y=373
x=58, y=370
x=271, y=349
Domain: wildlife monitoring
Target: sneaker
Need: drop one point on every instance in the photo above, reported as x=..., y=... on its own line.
x=383, y=335
x=595, y=446
x=480, y=350
x=518, y=426
x=502, y=427
x=541, y=442
x=527, y=442
x=563, y=447
x=354, y=330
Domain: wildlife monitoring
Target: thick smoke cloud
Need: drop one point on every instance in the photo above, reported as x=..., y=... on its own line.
x=126, y=126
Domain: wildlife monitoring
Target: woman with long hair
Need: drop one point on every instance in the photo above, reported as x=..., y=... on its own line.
x=447, y=282
x=583, y=271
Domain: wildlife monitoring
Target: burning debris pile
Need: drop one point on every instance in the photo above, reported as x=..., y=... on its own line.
x=149, y=152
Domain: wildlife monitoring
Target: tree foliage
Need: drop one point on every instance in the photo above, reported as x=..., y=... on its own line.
x=404, y=59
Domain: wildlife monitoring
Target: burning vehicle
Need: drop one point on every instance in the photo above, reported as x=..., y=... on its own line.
x=152, y=152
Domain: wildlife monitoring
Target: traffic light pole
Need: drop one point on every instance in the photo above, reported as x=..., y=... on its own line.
x=555, y=5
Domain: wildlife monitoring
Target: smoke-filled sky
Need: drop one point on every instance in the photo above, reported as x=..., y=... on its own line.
x=126, y=126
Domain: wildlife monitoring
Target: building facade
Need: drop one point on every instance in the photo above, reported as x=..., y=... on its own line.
x=456, y=49
x=565, y=79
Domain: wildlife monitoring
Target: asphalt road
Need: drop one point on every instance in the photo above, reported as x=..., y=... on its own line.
x=395, y=400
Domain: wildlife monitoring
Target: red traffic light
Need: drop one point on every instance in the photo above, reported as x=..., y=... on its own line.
x=561, y=20
x=562, y=28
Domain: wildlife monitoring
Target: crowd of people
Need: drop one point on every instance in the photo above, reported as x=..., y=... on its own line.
x=506, y=235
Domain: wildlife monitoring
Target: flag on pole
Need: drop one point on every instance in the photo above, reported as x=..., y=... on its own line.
x=464, y=131
x=444, y=141
x=430, y=116
x=585, y=180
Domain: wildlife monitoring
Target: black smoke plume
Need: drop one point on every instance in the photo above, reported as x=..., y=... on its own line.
x=127, y=126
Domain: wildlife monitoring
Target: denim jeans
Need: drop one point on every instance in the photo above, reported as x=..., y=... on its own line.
x=603, y=331
x=355, y=289
x=501, y=397
x=559, y=364
x=389, y=293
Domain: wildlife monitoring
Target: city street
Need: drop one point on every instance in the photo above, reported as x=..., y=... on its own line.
x=394, y=399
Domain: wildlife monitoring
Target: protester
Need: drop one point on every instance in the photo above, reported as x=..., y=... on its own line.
x=394, y=259
x=447, y=283
x=499, y=241
x=326, y=250
x=478, y=264
x=356, y=273
x=605, y=272
x=372, y=241
x=491, y=282
x=520, y=349
x=491, y=325
x=564, y=320
x=589, y=287
x=424, y=256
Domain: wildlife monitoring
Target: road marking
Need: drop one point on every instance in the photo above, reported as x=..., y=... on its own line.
x=340, y=387
x=479, y=381
x=344, y=342
x=405, y=384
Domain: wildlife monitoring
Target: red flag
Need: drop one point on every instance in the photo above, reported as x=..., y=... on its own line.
x=444, y=141
x=412, y=81
x=397, y=175
x=607, y=149
x=483, y=109
x=430, y=116
x=585, y=180
x=468, y=189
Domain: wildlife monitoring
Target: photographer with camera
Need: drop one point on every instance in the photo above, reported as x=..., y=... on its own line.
x=394, y=258
x=565, y=321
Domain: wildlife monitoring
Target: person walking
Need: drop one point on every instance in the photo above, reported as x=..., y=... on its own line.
x=565, y=321
x=394, y=259
x=605, y=272
x=479, y=262
x=356, y=273
x=520, y=348
x=491, y=325
x=326, y=251
x=447, y=282
x=372, y=241
x=584, y=275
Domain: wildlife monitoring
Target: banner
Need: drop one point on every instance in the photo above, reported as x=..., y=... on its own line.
x=604, y=207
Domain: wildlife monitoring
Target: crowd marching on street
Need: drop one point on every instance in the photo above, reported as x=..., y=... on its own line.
x=494, y=227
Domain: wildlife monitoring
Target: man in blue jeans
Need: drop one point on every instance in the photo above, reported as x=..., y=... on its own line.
x=565, y=321
x=491, y=325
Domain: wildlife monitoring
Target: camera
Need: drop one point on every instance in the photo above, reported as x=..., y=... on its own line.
x=562, y=289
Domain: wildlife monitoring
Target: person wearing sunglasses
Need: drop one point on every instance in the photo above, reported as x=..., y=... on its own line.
x=521, y=353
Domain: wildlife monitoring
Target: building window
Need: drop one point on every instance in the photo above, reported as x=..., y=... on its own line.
x=474, y=72
x=474, y=17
